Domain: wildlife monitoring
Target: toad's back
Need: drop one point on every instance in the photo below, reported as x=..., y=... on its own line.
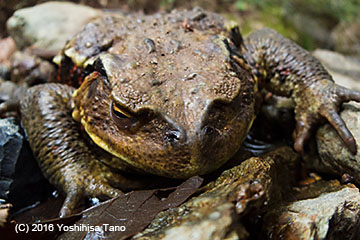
x=162, y=60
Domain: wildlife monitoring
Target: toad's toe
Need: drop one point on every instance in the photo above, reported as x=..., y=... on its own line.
x=338, y=123
x=77, y=194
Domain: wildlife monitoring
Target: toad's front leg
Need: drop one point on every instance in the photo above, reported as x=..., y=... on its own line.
x=288, y=70
x=59, y=147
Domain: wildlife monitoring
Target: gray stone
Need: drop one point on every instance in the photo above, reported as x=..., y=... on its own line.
x=345, y=70
x=21, y=181
x=48, y=25
x=334, y=215
x=10, y=147
x=335, y=157
x=31, y=69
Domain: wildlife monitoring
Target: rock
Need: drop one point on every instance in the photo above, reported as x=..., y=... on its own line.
x=48, y=25
x=214, y=225
x=7, y=46
x=335, y=157
x=7, y=90
x=237, y=195
x=346, y=37
x=347, y=73
x=20, y=177
x=30, y=69
x=332, y=215
x=10, y=146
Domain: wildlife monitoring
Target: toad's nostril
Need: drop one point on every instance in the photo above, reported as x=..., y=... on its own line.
x=172, y=136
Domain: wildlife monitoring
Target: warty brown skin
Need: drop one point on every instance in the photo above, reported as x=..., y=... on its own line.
x=169, y=94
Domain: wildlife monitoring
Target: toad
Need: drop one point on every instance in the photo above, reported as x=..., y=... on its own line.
x=172, y=94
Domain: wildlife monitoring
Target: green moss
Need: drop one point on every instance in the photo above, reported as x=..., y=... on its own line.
x=272, y=18
x=341, y=10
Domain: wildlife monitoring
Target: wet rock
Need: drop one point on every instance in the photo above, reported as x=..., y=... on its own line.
x=10, y=146
x=347, y=73
x=332, y=215
x=48, y=25
x=20, y=177
x=346, y=37
x=335, y=157
x=243, y=191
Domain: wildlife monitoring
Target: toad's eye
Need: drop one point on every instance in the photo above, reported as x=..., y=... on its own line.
x=118, y=112
x=121, y=117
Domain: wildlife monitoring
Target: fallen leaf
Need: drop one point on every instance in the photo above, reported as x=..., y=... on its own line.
x=123, y=217
x=118, y=218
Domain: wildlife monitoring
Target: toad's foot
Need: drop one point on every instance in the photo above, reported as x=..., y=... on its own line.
x=79, y=187
x=87, y=178
x=322, y=100
x=286, y=69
